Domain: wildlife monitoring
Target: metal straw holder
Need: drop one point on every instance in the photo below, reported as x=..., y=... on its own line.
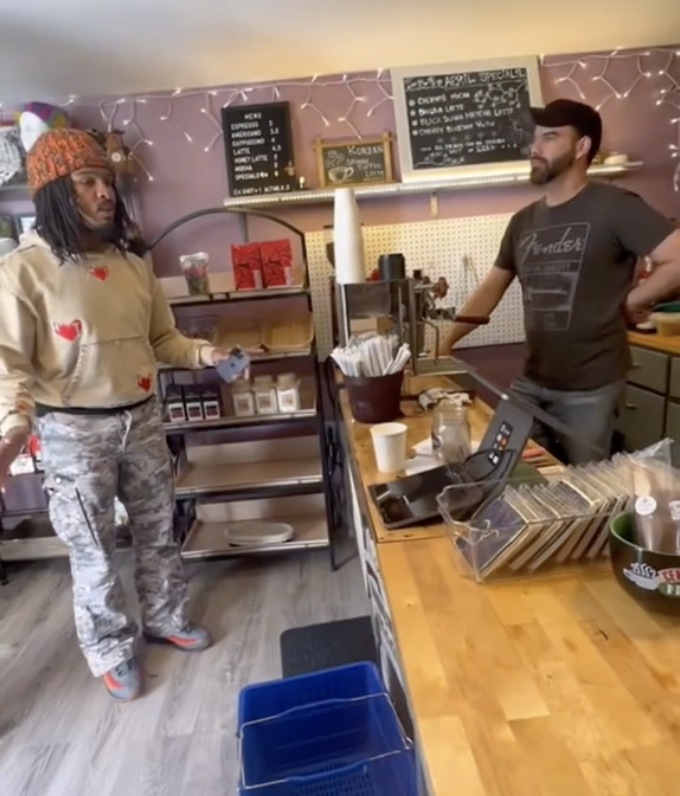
x=406, y=304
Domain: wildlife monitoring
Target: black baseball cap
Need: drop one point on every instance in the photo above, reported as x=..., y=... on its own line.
x=569, y=113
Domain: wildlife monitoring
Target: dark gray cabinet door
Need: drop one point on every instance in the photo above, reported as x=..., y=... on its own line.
x=674, y=383
x=650, y=369
x=641, y=419
x=673, y=421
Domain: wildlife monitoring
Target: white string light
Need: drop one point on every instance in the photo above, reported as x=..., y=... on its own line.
x=234, y=95
x=109, y=118
x=667, y=94
x=386, y=96
x=594, y=69
x=675, y=153
x=614, y=92
x=206, y=110
x=605, y=61
x=355, y=100
x=569, y=78
x=146, y=171
x=245, y=93
x=168, y=117
x=309, y=104
x=132, y=121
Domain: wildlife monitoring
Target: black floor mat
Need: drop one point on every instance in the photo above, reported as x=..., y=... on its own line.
x=314, y=647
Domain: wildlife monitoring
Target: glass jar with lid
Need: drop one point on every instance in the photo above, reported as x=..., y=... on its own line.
x=243, y=399
x=265, y=395
x=288, y=392
x=451, y=430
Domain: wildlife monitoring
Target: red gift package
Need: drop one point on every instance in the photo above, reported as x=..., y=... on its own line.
x=247, y=264
x=277, y=263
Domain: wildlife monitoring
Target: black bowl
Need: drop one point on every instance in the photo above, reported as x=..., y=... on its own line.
x=651, y=579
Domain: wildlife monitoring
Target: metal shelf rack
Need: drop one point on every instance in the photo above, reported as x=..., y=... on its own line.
x=197, y=484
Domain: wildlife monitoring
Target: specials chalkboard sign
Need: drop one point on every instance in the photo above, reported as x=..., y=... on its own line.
x=365, y=161
x=259, y=148
x=473, y=114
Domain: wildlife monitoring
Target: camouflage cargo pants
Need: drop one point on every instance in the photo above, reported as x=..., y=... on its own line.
x=88, y=460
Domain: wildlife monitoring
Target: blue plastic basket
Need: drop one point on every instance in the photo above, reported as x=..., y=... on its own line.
x=330, y=733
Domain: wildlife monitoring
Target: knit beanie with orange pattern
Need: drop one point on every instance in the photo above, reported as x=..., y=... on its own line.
x=58, y=153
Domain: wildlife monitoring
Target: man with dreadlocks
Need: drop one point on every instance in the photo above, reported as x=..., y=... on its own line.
x=83, y=324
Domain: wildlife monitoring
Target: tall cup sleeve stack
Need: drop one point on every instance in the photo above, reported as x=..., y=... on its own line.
x=350, y=264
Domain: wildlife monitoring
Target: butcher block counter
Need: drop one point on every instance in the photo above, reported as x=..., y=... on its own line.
x=362, y=460
x=555, y=685
x=667, y=344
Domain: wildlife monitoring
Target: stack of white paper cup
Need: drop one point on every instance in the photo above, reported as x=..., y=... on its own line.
x=389, y=446
x=348, y=243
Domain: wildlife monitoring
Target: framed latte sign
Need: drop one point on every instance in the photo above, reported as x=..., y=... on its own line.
x=366, y=161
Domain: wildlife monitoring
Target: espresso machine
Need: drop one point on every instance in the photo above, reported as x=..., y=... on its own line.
x=406, y=307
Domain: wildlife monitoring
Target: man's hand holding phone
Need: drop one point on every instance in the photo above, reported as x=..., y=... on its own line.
x=231, y=365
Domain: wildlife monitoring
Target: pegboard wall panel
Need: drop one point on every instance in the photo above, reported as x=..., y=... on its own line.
x=460, y=249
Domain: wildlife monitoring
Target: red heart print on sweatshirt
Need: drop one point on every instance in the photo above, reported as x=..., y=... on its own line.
x=144, y=382
x=99, y=272
x=69, y=331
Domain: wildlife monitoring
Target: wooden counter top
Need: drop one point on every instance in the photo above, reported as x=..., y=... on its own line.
x=419, y=429
x=666, y=344
x=362, y=458
x=552, y=686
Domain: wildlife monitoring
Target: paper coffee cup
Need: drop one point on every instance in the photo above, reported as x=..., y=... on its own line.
x=389, y=446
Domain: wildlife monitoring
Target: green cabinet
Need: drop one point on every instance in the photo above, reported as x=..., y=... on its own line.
x=673, y=421
x=641, y=417
x=649, y=369
x=650, y=408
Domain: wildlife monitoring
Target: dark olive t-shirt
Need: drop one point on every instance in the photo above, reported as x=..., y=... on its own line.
x=575, y=263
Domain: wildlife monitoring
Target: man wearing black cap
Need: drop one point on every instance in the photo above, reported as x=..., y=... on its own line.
x=574, y=252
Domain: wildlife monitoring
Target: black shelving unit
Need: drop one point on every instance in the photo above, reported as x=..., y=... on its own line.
x=280, y=480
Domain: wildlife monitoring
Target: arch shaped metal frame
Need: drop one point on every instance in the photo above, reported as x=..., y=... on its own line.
x=236, y=211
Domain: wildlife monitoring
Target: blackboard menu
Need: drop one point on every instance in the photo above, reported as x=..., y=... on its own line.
x=259, y=148
x=356, y=162
x=466, y=118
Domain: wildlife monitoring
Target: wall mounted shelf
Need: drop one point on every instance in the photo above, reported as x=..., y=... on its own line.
x=467, y=181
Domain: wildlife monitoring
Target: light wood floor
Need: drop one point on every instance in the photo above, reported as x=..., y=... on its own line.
x=62, y=735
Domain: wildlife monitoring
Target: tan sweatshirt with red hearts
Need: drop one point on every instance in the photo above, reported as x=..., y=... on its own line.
x=86, y=334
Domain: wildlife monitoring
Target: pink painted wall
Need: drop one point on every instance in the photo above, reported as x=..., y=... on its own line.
x=190, y=174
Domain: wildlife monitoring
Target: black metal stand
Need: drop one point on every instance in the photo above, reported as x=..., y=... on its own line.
x=185, y=506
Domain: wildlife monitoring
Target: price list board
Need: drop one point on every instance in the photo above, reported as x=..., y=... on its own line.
x=259, y=149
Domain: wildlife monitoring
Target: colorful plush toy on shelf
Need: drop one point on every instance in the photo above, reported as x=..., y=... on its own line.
x=35, y=118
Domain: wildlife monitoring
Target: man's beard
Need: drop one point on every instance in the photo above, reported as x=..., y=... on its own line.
x=545, y=172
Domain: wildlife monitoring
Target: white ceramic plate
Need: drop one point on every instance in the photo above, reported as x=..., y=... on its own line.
x=258, y=533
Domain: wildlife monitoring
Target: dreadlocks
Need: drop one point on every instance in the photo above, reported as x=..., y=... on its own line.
x=58, y=221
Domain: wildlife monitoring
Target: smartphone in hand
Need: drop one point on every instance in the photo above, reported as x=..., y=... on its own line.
x=230, y=369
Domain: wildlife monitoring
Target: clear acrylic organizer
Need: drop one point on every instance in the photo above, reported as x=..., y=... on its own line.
x=528, y=526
